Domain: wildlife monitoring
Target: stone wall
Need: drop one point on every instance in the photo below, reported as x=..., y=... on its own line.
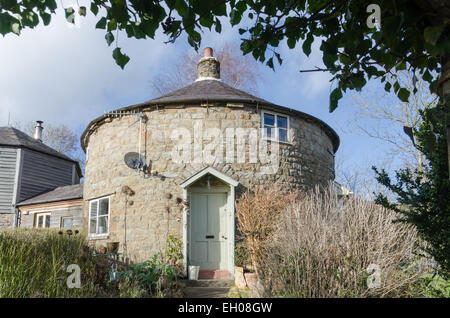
x=305, y=161
x=6, y=220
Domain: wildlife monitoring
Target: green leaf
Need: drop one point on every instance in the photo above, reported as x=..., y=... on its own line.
x=242, y=31
x=101, y=24
x=51, y=4
x=82, y=11
x=138, y=33
x=112, y=25
x=220, y=10
x=218, y=26
x=15, y=28
x=291, y=42
x=396, y=86
x=307, y=44
x=241, y=6
x=432, y=34
x=387, y=87
x=46, y=17
x=427, y=76
x=70, y=15
x=270, y=63
x=109, y=38
x=207, y=21
x=181, y=7
x=358, y=82
x=94, y=8
x=235, y=17
x=149, y=27
x=401, y=66
x=120, y=58
x=335, y=96
x=403, y=94
x=280, y=60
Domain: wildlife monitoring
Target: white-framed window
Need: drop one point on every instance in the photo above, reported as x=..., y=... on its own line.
x=99, y=217
x=66, y=222
x=42, y=220
x=276, y=126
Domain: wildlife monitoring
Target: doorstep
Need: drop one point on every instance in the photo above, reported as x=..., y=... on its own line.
x=214, y=274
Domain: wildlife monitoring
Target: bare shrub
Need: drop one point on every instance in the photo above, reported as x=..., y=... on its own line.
x=322, y=246
x=257, y=215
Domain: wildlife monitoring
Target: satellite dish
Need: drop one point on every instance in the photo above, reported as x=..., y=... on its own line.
x=134, y=160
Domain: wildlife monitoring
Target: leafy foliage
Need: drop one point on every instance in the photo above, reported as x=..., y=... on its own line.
x=412, y=33
x=152, y=277
x=241, y=254
x=423, y=197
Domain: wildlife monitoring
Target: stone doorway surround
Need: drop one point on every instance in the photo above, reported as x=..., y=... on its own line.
x=189, y=186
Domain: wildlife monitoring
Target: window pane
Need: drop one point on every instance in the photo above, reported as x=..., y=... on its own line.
x=67, y=223
x=268, y=131
x=269, y=119
x=281, y=122
x=282, y=135
x=40, y=220
x=92, y=226
x=104, y=207
x=93, y=209
x=102, y=225
x=47, y=221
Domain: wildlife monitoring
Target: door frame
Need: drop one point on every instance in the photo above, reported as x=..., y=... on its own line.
x=230, y=191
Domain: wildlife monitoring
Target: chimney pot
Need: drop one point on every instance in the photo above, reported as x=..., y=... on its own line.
x=208, y=52
x=38, y=130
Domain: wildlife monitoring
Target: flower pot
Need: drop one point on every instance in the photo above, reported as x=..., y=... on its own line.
x=239, y=279
x=193, y=272
x=251, y=280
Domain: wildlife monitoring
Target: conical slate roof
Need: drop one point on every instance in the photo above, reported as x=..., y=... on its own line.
x=207, y=90
x=13, y=137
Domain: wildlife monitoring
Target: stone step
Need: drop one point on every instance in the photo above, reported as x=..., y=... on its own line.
x=206, y=292
x=208, y=283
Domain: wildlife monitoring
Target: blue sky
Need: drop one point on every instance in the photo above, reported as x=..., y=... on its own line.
x=62, y=74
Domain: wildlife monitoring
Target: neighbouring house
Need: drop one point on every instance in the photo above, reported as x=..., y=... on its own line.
x=28, y=167
x=61, y=207
x=174, y=165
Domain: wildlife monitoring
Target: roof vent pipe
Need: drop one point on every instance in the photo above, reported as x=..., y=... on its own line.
x=38, y=130
x=208, y=66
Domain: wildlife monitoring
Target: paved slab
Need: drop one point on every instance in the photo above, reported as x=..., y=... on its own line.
x=206, y=292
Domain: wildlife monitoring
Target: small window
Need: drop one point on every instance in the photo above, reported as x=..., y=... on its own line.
x=42, y=220
x=66, y=222
x=99, y=216
x=276, y=126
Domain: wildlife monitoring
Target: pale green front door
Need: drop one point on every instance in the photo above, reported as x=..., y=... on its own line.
x=209, y=231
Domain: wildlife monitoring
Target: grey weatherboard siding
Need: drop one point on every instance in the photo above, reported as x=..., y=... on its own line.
x=28, y=167
x=41, y=172
x=8, y=157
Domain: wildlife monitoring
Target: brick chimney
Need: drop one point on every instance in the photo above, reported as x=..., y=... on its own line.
x=208, y=66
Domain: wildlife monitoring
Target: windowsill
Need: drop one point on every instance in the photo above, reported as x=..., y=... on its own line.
x=98, y=236
x=278, y=141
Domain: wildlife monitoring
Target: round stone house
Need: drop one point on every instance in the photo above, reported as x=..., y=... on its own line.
x=174, y=165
